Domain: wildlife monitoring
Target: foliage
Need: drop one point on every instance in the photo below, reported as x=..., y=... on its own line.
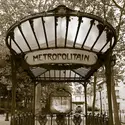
x=89, y=108
x=2, y=111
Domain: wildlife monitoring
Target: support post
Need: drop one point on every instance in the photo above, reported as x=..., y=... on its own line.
x=7, y=107
x=100, y=92
x=33, y=106
x=108, y=74
x=0, y=101
x=14, y=86
x=85, y=93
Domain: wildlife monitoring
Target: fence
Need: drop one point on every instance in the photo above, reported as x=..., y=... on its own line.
x=121, y=115
x=24, y=118
x=27, y=118
x=97, y=119
x=72, y=119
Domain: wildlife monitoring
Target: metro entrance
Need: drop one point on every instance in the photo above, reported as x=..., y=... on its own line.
x=59, y=46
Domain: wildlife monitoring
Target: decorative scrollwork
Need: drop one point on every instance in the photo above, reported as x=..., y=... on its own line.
x=61, y=119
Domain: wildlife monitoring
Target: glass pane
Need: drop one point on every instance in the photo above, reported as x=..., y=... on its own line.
x=113, y=40
x=20, y=40
x=92, y=35
x=8, y=40
x=72, y=74
x=47, y=74
x=62, y=73
x=68, y=73
x=61, y=30
x=27, y=31
x=72, y=29
x=77, y=76
x=52, y=73
x=50, y=30
x=38, y=71
x=101, y=42
x=106, y=47
x=84, y=27
x=43, y=75
x=57, y=73
x=82, y=71
x=38, y=27
x=14, y=47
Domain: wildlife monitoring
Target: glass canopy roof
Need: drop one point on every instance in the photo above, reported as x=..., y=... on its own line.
x=61, y=28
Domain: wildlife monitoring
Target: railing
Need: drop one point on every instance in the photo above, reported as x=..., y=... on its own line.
x=97, y=119
x=24, y=118
x=121, y=116
x=71, y=119
x=59, y=119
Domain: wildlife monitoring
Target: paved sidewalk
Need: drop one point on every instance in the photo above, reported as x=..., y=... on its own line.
x=2, y=120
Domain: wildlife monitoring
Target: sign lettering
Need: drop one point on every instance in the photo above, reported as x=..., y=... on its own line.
x=73, y=56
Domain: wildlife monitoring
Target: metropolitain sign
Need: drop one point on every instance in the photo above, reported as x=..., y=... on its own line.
x=61, y=56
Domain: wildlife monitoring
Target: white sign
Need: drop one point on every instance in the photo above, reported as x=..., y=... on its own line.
x=59, y=56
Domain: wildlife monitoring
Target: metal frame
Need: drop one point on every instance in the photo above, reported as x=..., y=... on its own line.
x=62, y=12
x=76, y=72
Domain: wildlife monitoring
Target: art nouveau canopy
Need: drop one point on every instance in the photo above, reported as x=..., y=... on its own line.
x=61, y=45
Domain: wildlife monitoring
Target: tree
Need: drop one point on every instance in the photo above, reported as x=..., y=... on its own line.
x=115, y=106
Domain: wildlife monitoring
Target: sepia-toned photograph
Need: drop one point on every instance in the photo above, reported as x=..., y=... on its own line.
x=62, y=62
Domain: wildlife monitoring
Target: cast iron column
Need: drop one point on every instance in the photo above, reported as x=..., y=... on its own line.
x=33, y=106
x=100, y=94
x=100, y=101
x=108, y=74
x=85, y=92
x=14, y=86
x=7, y=106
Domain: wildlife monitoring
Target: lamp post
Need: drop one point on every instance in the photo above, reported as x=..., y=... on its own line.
x=7, y=110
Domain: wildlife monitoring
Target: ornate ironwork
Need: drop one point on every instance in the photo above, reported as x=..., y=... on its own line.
x=55, y=29
x=61, y=119
x=60, y=29
x=42, y=118
x=26, y=118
